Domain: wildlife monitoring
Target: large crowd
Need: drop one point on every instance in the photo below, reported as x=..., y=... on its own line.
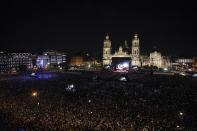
x=143, y=102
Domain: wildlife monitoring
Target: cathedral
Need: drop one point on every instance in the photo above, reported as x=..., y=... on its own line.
x=133, y=56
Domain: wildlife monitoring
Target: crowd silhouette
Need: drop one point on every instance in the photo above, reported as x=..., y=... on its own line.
x=143, y=102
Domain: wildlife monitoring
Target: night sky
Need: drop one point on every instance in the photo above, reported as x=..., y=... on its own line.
x=82, y=26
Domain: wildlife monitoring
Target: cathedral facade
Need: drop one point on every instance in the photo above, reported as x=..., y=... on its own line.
x=134, y=54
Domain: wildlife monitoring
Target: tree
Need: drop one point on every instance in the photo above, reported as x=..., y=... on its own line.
x=22, y=68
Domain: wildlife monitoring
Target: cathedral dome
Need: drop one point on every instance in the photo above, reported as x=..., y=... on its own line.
x=107, y=37
x=136, y=36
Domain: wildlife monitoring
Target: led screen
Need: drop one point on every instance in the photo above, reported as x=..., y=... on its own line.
x=121, y=63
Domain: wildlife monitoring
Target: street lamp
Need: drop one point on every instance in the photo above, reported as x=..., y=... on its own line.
x=34, y=94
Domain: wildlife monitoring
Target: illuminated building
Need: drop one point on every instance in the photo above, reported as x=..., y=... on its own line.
x=4, y=64
x=50, y=59
x=9, y=61
x=82, y=63
x=55, y=57
x=183, y=63
x=43, y=61
x=156, y=59
x=92, y=64
x=184, y=60
x=17, y=59
x=107, y=51
x=134, y=56
x=195, y=63
x=145, y=60
x=77, y=61
x=135, y=51
x=166, y=62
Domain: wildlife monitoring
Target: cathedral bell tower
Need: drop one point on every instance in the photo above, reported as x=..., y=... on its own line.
x=107, y=51
x=135, y=51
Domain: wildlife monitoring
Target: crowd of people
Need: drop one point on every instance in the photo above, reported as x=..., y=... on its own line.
x=143, y=102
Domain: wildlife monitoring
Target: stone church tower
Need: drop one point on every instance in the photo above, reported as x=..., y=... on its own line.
x=107, y=51
x=135, y=53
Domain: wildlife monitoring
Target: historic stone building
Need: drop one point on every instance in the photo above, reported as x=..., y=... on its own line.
x=156, y=59
x=134, y=56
